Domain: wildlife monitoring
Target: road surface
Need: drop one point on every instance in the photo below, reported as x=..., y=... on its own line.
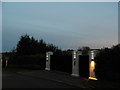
x=16, y=80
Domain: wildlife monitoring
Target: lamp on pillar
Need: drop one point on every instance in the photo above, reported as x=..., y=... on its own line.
x=75, y=63
x=48, y=54
x=92, y=65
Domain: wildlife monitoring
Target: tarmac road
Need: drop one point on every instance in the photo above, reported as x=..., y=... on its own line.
x=16, y=80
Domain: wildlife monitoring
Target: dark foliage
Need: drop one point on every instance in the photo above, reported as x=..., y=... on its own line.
x=31, y=52
x=30, y=46
x=84, y=50
x=107, y=63
x=28, y=60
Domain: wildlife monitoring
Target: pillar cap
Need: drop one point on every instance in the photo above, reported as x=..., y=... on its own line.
x=49, y=52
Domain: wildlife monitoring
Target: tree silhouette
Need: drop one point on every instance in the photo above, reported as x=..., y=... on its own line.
x=84, y=49
x=23, y=46
x=42, y=46
x=29, y=46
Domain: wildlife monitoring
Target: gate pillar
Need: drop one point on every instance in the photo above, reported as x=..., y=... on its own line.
x=92, y=55
x=48, y=54
x=75, y=63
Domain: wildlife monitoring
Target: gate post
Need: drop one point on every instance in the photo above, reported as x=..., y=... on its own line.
x=92, y=54
x=48, y=54
x=75, y=63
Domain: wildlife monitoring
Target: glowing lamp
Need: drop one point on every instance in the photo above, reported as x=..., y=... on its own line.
x=92, y=64
x=92, y=78
x=74, y=55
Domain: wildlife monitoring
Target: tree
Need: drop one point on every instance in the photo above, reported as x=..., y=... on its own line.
x=30, y=52
x=84, y=49
x=42, y=46
x=23, y=46
x=27, y=46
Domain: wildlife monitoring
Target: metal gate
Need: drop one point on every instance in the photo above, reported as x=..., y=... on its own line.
x=61, y=63
x=84, y=66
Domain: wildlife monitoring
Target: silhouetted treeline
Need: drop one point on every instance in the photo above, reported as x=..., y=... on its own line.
x=107, y=63
x=85, y=50
x=30, y=52
x=30, y=46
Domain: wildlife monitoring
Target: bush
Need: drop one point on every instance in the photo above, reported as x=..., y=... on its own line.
x=28, y=61
x=107, y=64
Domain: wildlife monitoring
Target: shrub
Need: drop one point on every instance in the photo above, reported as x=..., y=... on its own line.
x=107, y=64
x=28, y=60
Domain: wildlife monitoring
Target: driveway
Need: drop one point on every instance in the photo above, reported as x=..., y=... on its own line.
x=18, y=80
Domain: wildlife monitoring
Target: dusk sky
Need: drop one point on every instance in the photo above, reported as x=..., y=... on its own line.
x=68, y=25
